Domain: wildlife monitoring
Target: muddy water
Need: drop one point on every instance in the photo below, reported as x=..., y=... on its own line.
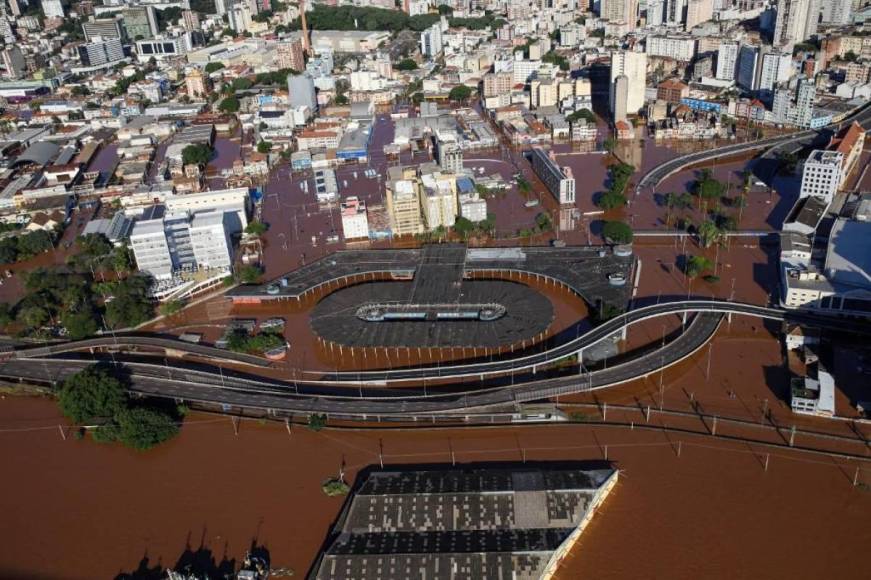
x=75, y=509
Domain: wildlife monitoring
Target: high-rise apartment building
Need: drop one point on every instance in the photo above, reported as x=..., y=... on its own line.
x=182, y=241
x=621, y=94
x=559, y=180
x=439, y=201
x=497, y=83
x=633, y=65
x=289, y=53
x=836, y=12
x=449, y=155
x=796, y=21
x=822, y=175
x=727, y=61
x=403, y=201
x=698, y=11
x=677, y=47
x=431, y=40
x=620, y=11
x=776, y=68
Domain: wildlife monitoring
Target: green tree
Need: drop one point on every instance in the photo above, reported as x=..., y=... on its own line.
x=80, y=324
x=249, y=274
x=241, y=84
x=33, y=316
x=229, y=105
x=142, y=428
x=695, y=265
x=130, y=305
x=709, y=234
x=406, y=64
x=463, y=226
x=122, y=258
x=5, y=314
x=460, y=94
x=543, y=222
x=213, y=67
x=34, y=243
x=256, y=228
x=91, y=395
x=585, y=114
x=197, y=154
x=334, y=487
x=609, y=144
x=317, y=422
x=617, y=232
x=264, y=147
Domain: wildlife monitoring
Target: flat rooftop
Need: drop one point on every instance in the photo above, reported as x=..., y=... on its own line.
x=457, y=522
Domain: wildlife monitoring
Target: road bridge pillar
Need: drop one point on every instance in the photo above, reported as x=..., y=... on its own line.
x=581, y=357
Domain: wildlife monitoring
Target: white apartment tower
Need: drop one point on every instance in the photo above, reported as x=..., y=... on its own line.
x=796, y=21
x=727, y=60
x=821, y=176
x=633, y=65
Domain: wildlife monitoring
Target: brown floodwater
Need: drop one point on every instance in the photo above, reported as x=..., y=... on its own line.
x=76, y=509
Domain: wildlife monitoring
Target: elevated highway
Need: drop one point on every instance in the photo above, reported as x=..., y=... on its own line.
x=234, y=393
x=652, y=178
x=472, y=369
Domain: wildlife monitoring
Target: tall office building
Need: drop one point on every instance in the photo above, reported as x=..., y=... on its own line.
x=699, y=11
x=727, y=60
x=796, y=21
x=748, y=67
x=620, y=11
x=101, y=53
x=633, y=65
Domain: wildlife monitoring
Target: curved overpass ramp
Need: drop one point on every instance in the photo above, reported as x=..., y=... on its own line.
x=480, y=369
x=652, y=178
x=158, y=381
x=127, y=341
